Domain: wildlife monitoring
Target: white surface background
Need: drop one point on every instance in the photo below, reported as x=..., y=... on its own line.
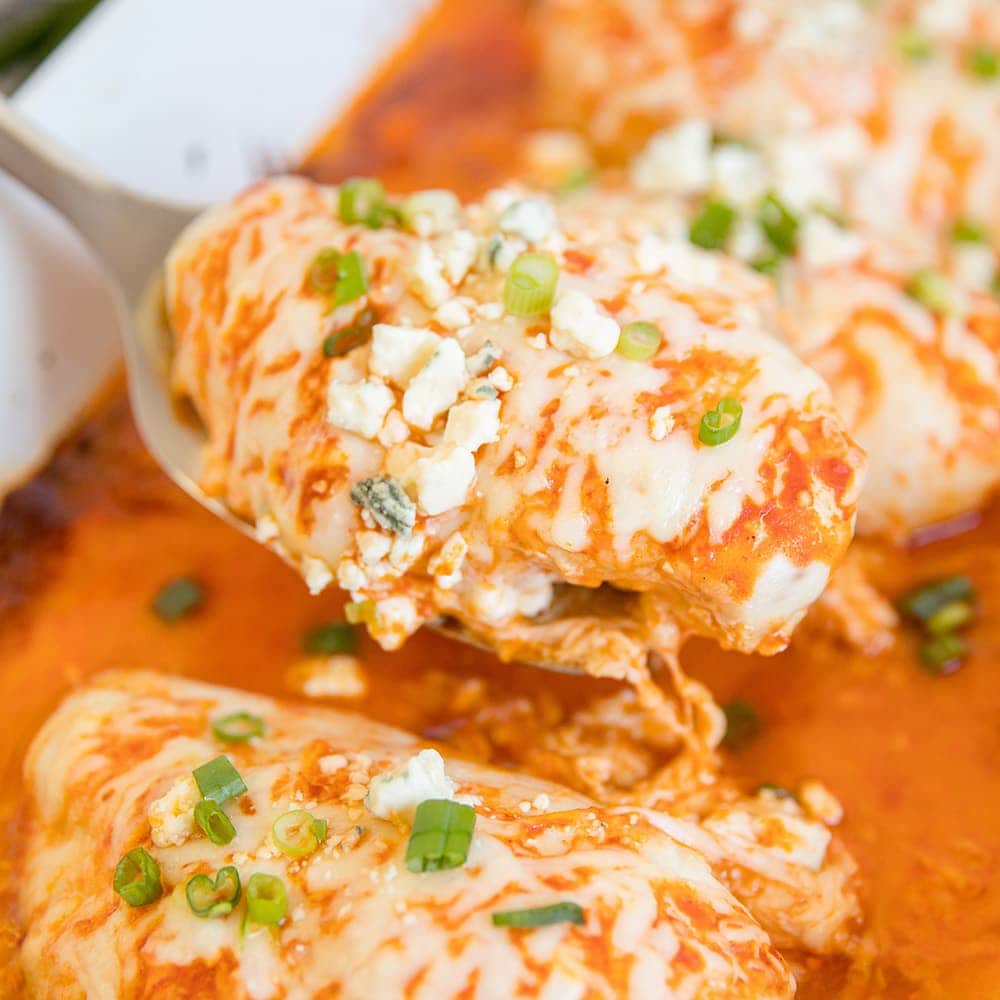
x=190, y=99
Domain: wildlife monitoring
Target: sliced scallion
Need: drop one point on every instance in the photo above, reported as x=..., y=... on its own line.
x=711, y=227
x=324, y=271
x=929, y=598
x=780, y=225
x=541, y=916
x=214, y=898
x=213, y=822
x=967, y=231
x=218, y=780
x=178, y=598
x=721, y=424
x=362, y=200
x=298, y=833
x=137, y=878
x=441, y=836
x=943, y=654
x=237, y=727
x=531, y=284
x=576, y=178
x=353, y=281
x=330, y=638
x=984, y=62
x=639, y=341
x=948, y=618
x=931, y=289
x=344, y=340
x=267, y=899
x=743, y=725
x=915, y=46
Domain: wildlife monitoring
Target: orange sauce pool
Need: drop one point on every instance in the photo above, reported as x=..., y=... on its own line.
x=83, y=548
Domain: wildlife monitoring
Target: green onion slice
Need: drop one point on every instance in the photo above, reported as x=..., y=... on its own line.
x=343, y=341
x=929, y=598
x=576, y=178
x=931, y=289
x=177, y=598
x=353, y=280
x=531, y=284
x=639, y=341
x=984, y=62
x=330, y=638
x=712, y=225
x=214, y=898
x=213, y=822
x=967, y=231
x=780, y=226
x=441, y=836
x=298, y=833
x=950, y=617
x=238, y=727
x=742, y=724
x=943, y=654
x=719, y=425
x=324, y=271
x=915, y=46
x=137, y=878
x=218, y=780
x=267, y=900
x=541, y=916
x=362, y=201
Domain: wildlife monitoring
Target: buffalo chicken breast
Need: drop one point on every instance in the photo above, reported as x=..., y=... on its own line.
x=459, y=411
x=195, y=841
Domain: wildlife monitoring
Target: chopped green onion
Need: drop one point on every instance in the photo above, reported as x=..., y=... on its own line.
x=929, y=598
x=267, y=900
x=778, y=791
x=780, y=226
x=943, y=654
x=966, y=231
x=742, y=724
x=330, y=638
x=298, y=833
x=719, y=425
x=324, y=271
x=578, y=177
x=541, y=916
x=984, y=62
x=441, y=836
x=767, y=263
x=218, y=898
x=213, y=822
x=712, y=225
x=218, y=780
x=353, y=281
x=428, y=212
x=931, y=289
x=915, y=46
x=178, y=598
x=950, y=617
x=137, y=878
x=639, y=341
x=343, y=341
x=238, y=727
x=362, y=200
x=531, y=284
x=360, y=612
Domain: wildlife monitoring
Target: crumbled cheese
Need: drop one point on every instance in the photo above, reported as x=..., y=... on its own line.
x=441, y=481
x=426, y=278
x=395, y=620
x=406, y=550
x=399, y=352
x=538, y=342
x=316, y=574
x=171, y=817
x=350, y=576
x=530, y=218
x=431, y=212
x=484, y=359
x=820, y=803
x=266, y=529
x=738, y=175
x=453, y=314
x=501, y=379
x=446, y=564
x=490, y=310
x=676, y=161
x=687, y=266
x=580, y=328
x=338, y=676
x=372, y=546
x=436, y=386
x=493, y=602
x=661, y=423
x=395, y=430
x=471, y=425
x=359, y=407
x=501, y=251
x=747, y=241
x=944, y=18
x=823, y=244
x=457, y=252
x=802, y=173
x=397, y=793
x=975, y=265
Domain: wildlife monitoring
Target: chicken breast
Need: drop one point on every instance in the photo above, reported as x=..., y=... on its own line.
x=112, y=772
x=462, y=461
x=857, y=134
